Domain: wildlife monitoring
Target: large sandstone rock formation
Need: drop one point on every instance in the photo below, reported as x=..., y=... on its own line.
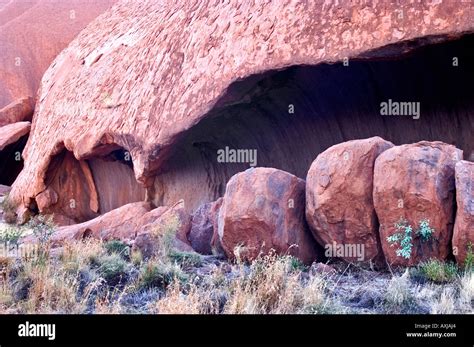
x=32, y=33
x=339, y=205
x=463, y=235
x=413, y=183
x=263, y=209
x=170, y=83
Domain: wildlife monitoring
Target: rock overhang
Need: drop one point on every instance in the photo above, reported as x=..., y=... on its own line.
x=172, y=64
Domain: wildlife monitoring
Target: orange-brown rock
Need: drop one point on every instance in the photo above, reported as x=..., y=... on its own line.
x=32, y=33
x=12, y=133
x=82, y=190
x=339, y=205
x=17, y=111
x=144, y=74
x=172, y=223
x=463, y=235
x=122, y=223
x=263, y=210
x=137, y=221
x=415, y=183
x=204, y=227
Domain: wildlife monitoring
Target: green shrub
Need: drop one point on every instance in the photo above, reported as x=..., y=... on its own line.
x=404, y=236
x=10, y=234
x=43, y=227
x=160, y=275
x=113, y=268
x=296, y=264
x=438, y=271
x=469, y=261
x=136, y=257
x=117, y=247
x=185, y=258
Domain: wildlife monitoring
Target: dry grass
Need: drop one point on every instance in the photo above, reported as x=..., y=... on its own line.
x=398, y=290
x=272, y=286
x=269, y=286
x=466, y=294
x=445, y=303
x=76, y=281
x=196, y=300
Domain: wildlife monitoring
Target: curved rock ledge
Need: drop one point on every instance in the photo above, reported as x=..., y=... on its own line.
x=145, y=73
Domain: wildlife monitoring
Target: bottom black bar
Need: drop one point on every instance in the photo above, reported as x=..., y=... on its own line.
x=454, y=330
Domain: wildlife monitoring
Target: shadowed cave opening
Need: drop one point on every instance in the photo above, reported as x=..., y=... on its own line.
x=332, y=104
x=88, y=188
x=12, y=161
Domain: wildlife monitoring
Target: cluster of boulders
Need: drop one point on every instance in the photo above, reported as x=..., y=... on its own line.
x=355, y=194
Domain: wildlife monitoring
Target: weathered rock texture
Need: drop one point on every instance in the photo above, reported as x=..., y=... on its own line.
x=32, y=33
x=202, y=235
x=81, y=190
x=17, y=111
x=12, y=133
x=171, y=83
x=339, y=205
x=463, y=235
x=413, y=183
x=136, y=222
x=263, y=209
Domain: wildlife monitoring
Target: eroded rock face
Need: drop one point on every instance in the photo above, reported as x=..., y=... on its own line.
x=17, y=111
x=415, y=183
x=204, y=227
x=32, y=33
x=339, y=205
x=12, y=133
x=135, y=223
x=83, y=189
x=263, y=209
x=463, y=235
x=147, y=113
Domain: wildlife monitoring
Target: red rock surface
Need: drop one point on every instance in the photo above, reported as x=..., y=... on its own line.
x=13, y=132
x=122, y=223
x=172, y=220
x=204, y=228
x=463, y=234
x=416, y=182
x=136, y=221
x=339, y=205
x=32, y=33
x=263, y=209
x=144, y=73
x=17, y=111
